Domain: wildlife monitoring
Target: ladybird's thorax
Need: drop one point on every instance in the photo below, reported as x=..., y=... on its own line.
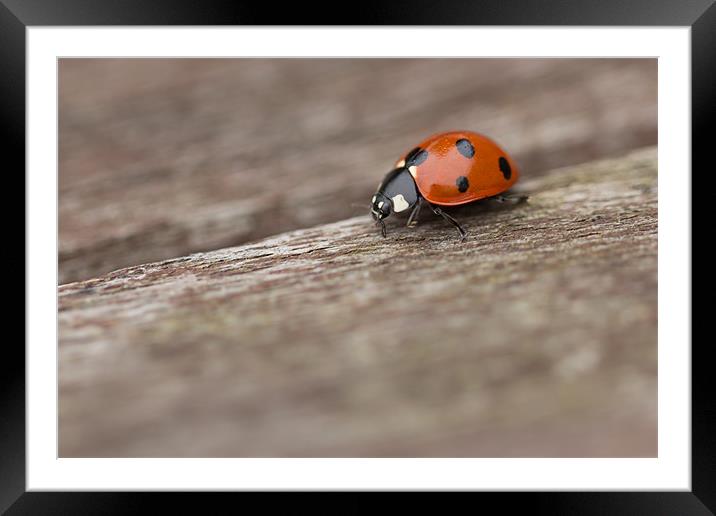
x=398, y=191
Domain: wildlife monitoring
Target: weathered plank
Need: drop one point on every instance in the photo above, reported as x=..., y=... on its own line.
x=536, y=337
x=160, y=158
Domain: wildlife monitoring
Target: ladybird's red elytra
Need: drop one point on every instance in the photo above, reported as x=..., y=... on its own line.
x=446, y=169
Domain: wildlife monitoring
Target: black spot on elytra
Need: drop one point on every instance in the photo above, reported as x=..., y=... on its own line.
x=462, y=184
x=412, y=153
x=505, y=168
x=465, y=148
x=415, y=157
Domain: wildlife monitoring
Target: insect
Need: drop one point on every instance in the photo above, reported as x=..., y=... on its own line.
x=447, y=169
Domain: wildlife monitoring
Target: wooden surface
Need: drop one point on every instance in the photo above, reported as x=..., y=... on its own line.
x=161, y=158
x=536, y=337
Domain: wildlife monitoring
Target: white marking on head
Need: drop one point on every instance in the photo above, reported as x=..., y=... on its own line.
x=413, y=170
x=380, y=204
x=400, y=164
x=399, y=203
x=373, y=199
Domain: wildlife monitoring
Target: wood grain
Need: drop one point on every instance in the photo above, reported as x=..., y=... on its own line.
x=536, y=337
x=163, y=157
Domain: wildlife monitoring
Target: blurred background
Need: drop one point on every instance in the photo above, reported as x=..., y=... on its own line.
x=509, y=345
x=159, y=158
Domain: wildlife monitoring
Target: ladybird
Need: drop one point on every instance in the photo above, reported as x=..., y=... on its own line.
x=447, y=169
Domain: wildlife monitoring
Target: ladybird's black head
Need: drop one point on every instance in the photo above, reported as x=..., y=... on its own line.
x=380, y=208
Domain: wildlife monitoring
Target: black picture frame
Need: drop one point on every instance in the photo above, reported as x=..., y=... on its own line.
x=17, y=15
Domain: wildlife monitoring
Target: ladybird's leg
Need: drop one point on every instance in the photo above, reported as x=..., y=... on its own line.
x=413, y=219
x=383, y=231
x=510, y=198
x=438, y=211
